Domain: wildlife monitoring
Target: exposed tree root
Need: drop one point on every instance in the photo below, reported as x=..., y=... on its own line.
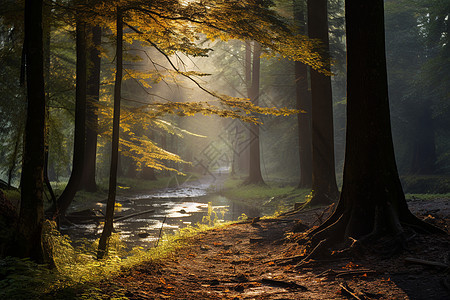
x=389, y=233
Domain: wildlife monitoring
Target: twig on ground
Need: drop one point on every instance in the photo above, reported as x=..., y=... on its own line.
x=286, y=259
x=349, y=291
x=160, y=231
x=426, y=262
x=336, y=274
x=312, y=253
x=283, y=284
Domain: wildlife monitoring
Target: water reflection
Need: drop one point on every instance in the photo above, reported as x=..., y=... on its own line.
x=173, y=209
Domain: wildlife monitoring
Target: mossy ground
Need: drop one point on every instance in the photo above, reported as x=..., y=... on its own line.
x=271, y=198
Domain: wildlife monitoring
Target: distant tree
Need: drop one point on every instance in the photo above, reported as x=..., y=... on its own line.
x=94, y=34
x=372, y=203
x=31, y=215
x=73, y=185
x=414, y=128
x=13, y=104
x=109, y=216
x=303, y=97
x=435, y=74
x=47, y=63
x=324, y=185
x=254, y=171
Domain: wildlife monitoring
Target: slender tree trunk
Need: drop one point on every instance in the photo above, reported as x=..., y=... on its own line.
x=80, y=123
x=303, y=97
x=255, y=176
x=372, y=203
x=324, y=185
x=93, y=95
x=109, y=218
x=248, y=66
x=234, y=145
x=47, y=31
x=31, y=215
x=243, y=141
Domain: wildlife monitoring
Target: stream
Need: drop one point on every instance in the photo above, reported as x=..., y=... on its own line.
x=173, y=208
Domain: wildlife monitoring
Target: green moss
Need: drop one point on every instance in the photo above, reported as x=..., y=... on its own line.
x=271, y=198
x=426, y=196
x=426, y=184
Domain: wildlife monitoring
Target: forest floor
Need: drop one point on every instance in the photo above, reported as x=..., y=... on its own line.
x=247, y=260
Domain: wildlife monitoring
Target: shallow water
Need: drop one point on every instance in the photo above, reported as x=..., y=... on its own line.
x=174, y=208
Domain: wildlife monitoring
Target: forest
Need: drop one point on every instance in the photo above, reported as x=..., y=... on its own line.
x=224, y=149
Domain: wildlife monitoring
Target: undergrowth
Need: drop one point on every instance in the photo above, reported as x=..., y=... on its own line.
x=272, y=199
x=76, y=270
x=426, y=196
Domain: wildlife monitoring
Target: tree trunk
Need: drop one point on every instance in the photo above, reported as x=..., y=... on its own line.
x=242, y=144
x=372, y=203
x=323, y=170
x=46, y=32
x=131, y=168
x=423, y=144
x=255, y=176
x=109, y=217
x=80, y=123
x=303, y=103
x=31, y=215
x=148, y=173
x=92, y=98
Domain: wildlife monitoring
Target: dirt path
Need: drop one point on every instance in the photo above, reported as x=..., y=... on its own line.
x=246, y=261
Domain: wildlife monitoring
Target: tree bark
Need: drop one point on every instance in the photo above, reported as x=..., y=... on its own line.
x=93, y=95
x=31, y=214
x=109, y=217
x=47, y=32
x=372, y=203
x=324, y=185
x=80, y=123
x=255, y=176
x=303, y=98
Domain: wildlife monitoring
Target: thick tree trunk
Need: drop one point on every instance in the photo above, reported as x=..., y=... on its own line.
x=31, y=215
x=324, y=176
x=80, y=123
x=255, y=176
x=92, y=98
x=303, y=97
x=372, y=202
x=109, y=217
